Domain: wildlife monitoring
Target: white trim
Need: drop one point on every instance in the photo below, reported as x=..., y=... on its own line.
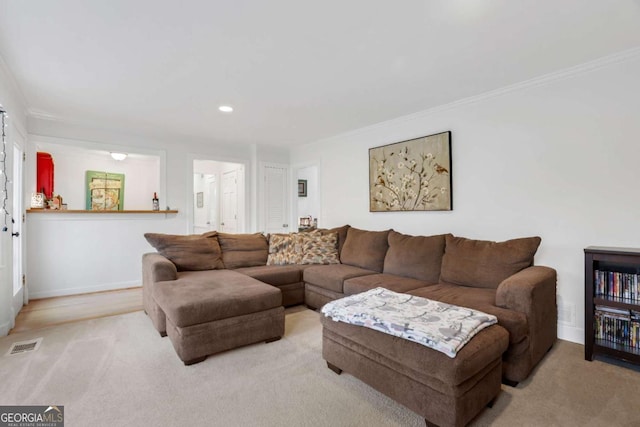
x=85, y=290
x=570, y=333
x=627, y=55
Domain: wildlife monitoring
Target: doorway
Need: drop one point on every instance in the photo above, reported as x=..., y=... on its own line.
x=218, y=196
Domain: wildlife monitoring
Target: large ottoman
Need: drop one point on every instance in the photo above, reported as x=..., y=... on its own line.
x=207, y=317
x=445, y=391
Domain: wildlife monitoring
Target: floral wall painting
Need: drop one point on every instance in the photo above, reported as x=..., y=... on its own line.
x=105, y=191
x=413, y=175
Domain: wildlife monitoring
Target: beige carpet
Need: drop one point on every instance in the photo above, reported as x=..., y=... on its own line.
x=118, y=371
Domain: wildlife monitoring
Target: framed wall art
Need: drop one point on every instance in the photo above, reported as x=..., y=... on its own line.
x=105, y=191
x=200, y=199
x=413, y=175
x=302, y=188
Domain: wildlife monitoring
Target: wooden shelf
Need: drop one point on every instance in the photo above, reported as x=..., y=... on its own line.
x=55, y=211
x=617, y=260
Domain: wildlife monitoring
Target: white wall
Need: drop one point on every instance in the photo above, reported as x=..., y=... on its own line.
x=309, y=205
x=74, y=253
x=556, y=157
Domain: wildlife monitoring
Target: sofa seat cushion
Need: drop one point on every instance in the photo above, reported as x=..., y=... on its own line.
x=392, y=282
x=479, y=299
x=485, y=264
x=419, y=257
x=332, y=276
x=276, y=275
x=199, y=298
x=365, y=249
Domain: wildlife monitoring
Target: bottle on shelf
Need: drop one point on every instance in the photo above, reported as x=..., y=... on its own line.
x=156, y=202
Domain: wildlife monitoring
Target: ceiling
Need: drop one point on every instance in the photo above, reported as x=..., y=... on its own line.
x=295, y=71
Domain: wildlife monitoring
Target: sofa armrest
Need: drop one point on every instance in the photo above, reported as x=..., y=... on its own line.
x=157, y=268
x=528, y=290
x=532, y=291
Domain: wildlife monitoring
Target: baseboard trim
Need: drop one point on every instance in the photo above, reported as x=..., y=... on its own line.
x=569, y=333
x=84, y=290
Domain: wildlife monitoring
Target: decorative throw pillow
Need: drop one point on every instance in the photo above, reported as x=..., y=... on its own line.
x=320, y=248
x=287, y=248
x=284, y=249
x=243, y=250
x=190, y=252
x=485, y=264
x=342, y=234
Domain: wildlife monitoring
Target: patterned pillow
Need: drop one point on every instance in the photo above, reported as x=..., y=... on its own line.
x=320, y=248
x=285, y=248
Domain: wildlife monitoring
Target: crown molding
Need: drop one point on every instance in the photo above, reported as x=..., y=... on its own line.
x=545, y=79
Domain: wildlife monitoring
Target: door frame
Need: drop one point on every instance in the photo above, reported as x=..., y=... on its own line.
x=243, y=207
x=21, y=297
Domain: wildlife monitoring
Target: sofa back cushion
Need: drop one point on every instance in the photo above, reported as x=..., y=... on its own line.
x=191, y=252
x=418, y=257
x=243, y=250
x=365, y=249
x=485, y=264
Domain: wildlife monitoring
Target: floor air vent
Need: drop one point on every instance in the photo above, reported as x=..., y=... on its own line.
x=24, y=346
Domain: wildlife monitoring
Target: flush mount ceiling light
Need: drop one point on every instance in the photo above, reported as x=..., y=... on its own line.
x=119, y=156
x=225, y=108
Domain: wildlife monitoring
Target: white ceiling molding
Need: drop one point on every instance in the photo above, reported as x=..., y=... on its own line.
x=628, y=55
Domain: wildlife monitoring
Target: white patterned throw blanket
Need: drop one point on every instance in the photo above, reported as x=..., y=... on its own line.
x=442, y=327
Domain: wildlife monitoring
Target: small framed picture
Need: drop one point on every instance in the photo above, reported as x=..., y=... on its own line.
x=302, y=188
x=200, y=199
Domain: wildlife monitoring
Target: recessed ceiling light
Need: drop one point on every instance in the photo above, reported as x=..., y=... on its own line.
x=225, y=108
x=119, y=156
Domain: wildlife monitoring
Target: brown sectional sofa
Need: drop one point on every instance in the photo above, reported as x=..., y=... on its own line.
x=497, y=278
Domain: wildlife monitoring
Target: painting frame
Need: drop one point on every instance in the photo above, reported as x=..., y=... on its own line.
x=302, y=188
x=200, y=199
x=412, y=175
x=104, y=191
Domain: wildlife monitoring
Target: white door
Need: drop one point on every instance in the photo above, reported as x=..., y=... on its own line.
x=229, y=222
x=276, y=199
x=19, y=297
x=211, y=202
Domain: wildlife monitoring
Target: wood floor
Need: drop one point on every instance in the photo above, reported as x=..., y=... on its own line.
x=55, y=311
